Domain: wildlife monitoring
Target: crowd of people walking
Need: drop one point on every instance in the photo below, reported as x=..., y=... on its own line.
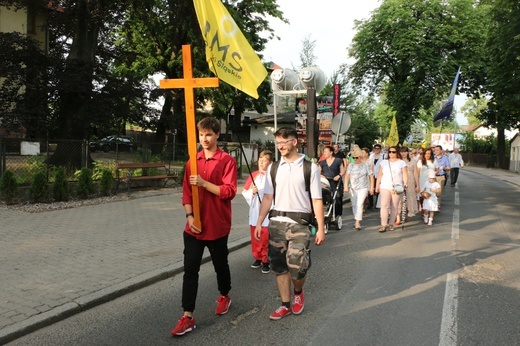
x=287, y=207
x=406, y=182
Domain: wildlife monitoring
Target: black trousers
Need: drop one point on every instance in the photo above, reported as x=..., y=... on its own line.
x=193, y=251
x=454, y=175
x=338, y=205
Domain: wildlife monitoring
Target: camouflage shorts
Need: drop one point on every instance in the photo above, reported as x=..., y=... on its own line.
x=289, y=248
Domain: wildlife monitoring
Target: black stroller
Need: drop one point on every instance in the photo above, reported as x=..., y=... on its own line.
x=329, y=201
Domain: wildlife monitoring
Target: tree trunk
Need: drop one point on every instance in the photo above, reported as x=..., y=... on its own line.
x=501, y=148
x=76, y=86
x=71, y=155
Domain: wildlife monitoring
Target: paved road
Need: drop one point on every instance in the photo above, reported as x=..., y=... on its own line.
x=56, y=264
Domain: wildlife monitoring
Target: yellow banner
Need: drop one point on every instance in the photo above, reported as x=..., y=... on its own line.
x=393, y=136
x=228, y=53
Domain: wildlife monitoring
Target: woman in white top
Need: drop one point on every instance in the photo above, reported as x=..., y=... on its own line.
x=393, y=175
x=360, y=181
x=413, y=185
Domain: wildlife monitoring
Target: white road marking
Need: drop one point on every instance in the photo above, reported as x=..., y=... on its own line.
x=448, y=335
x=455, y=225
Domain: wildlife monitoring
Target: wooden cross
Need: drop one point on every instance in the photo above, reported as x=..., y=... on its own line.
x=188, y=83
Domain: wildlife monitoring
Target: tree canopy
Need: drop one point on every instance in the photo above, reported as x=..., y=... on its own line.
x=411, y=49
x=105, y=52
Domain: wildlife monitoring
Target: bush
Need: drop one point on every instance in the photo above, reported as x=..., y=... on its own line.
x=39, y=187
x=85, y=185
x=8, y=187
x=106, y=182
x=61, y=189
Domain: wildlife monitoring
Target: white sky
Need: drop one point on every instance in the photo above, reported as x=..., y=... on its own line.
x=328, y=22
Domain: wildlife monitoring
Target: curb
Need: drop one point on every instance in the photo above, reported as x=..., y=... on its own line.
x=102, y=296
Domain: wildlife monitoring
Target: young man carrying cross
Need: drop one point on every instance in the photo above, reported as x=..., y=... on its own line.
x=217, y=185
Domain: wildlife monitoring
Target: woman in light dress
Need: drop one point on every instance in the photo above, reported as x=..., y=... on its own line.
x=425, y=164
x=412, y=207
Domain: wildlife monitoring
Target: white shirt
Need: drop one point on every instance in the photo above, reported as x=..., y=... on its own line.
x=397, y=173
x=253, y=201
x=456, y=160
x=290, y=187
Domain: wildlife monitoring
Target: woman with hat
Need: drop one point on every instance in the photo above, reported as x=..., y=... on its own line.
x=359, y=180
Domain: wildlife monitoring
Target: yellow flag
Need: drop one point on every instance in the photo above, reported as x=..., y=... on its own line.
x=228, y=53
x=393, y=136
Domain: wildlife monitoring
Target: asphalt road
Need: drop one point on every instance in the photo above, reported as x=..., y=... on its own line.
x=456, y=283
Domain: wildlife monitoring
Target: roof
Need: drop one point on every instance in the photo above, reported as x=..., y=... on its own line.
x=514, y=137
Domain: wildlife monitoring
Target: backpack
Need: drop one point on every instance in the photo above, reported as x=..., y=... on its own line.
x=307, y=170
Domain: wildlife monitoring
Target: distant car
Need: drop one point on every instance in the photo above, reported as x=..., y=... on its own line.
x=113, y=143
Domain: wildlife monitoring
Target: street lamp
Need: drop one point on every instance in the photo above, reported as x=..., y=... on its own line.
x=309, y=81
x=313, y=80
x=284, y=80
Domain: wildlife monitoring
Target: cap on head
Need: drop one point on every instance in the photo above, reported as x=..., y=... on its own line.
x=431, y=174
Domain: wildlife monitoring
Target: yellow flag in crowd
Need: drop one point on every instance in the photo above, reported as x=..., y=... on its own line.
x=393, y=136
x=228, y=53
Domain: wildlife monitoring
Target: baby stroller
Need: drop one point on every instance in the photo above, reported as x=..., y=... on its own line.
x=329, y=201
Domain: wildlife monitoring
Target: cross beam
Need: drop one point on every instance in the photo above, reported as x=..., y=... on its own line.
x=188, y=83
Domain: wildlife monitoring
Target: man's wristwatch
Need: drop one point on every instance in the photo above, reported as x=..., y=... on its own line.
x=189, y=214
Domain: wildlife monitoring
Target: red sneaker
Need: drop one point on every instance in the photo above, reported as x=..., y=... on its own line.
x=184, y=326
x=223, y=304
x=281, y=312
x=297, y=303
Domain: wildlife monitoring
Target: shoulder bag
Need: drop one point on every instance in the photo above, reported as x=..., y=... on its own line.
x=398, y=188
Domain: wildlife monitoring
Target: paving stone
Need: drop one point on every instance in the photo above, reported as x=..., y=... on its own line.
x=51, y=260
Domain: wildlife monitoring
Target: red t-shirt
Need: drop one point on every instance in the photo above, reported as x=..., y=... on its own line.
x=215, y=211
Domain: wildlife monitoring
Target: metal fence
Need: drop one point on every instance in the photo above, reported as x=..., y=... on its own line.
x=26, y=157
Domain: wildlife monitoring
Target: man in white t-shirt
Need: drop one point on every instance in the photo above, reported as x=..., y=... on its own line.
x=290, y=218
x=374, y=161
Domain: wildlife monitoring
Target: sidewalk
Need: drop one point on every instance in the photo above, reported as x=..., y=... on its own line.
x=500, y=174
x=59, y=263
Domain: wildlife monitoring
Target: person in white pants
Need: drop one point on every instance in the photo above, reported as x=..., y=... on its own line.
x=359, y=180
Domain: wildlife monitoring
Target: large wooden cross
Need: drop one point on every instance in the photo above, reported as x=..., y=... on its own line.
x=188, y=83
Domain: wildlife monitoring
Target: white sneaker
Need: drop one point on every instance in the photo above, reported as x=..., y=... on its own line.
x=425, y=218
x=430, y=222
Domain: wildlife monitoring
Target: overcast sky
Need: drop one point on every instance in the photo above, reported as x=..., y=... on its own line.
x=328, y=22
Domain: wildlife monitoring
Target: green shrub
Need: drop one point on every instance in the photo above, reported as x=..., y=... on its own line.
x=100, y=166
x=8, y=187
x=61, y=189
x=85, y=185
x=39, y=187
x=106, y=182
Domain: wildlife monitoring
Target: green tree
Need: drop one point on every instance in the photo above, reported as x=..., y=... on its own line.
x=503, y=72
x=472, y=108
x=411, y=49
x=154, y=34
x=22, y=85
x=103, y=55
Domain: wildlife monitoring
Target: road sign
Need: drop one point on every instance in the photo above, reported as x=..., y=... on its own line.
x=341, y=123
